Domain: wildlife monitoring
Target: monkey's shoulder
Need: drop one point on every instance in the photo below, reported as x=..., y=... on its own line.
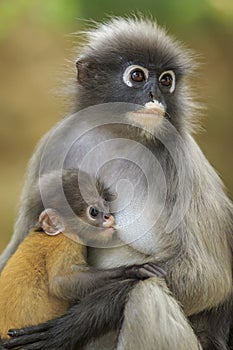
x=44, y=243
x=38, y=251
x=63, y=250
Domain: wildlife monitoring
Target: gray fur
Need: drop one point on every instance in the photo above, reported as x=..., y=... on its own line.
x=197, y=252
x=170, y=328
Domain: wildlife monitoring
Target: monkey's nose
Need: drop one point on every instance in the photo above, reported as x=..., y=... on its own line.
x=154, y=95
x=151, y=95
x=109, y=220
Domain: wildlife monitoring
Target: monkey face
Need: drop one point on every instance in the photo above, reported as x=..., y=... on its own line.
x=98, y=215
x=97, y=225
x=135, y=61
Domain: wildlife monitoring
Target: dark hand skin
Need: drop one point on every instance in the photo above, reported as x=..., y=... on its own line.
x=105, y=305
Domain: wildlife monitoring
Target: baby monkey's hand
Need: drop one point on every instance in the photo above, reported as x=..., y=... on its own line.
x=144, y=271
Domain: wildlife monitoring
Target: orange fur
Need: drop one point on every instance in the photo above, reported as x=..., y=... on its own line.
x=27, y=293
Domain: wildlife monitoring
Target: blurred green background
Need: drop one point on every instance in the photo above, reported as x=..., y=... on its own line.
x=36, y=56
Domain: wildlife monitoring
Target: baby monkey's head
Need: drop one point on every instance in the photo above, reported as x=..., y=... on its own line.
x=76, y=204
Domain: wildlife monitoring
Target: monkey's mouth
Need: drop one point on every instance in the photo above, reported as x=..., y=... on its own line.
x=153, y=108
x=107, y=233
x=109, y=230
x=150, y=116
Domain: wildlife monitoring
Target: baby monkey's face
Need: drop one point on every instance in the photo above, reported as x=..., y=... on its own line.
x=94, y=211
x=98, y=215
x=94, y=224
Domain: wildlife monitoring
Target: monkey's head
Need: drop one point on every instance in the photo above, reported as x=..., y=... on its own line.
x=78, y=207
x=133, y=60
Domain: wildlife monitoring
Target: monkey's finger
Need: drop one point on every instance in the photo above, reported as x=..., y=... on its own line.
x=28, y=330
x=158, y=271
x=24, y=339
x=148, y=271
x=1, y=345
x=145, y=273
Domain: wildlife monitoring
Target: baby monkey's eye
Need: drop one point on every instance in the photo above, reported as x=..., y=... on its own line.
x=93, y=211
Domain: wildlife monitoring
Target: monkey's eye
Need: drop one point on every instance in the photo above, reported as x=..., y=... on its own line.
x=92, y=212
x=168, y=80
x=135, y=74
x=138, y=75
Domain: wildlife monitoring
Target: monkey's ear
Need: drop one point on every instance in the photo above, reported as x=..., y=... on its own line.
x=51, y=222
x=85, y=68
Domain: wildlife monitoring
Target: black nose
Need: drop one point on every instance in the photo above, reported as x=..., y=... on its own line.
x=155, y=95
x=151, y=95
x=106, y=216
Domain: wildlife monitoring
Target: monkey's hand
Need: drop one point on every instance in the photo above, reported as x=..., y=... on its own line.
x=36, y=337
x=99, y=313
x=144, y=271
x=1, y=345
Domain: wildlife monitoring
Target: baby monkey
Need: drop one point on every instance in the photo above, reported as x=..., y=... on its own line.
x=49, y=270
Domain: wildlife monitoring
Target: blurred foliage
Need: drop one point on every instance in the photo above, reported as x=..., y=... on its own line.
x=33, y=49
x=169, y=12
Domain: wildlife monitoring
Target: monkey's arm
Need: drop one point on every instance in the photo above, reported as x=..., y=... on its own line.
x=103, y=311
x=26, y=217
x=70, y=277
x=158, y=322
x=85, y=279
x=97, y=314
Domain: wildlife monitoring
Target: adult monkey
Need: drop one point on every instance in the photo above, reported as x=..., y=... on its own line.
x=134, y=61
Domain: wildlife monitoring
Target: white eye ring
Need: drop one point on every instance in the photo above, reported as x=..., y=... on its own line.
x=172, y=88
x=127, y=74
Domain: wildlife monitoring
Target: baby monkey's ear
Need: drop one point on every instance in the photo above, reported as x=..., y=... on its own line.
x=51, y=222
